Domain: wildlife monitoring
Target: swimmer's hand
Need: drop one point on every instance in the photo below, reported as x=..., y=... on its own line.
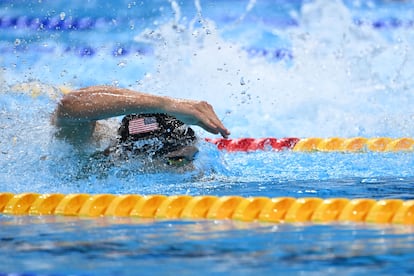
x=198, y=113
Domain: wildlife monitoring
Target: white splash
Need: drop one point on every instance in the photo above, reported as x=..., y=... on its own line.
x=344, y=80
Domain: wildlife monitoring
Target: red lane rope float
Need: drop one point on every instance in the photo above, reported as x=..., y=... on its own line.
x=253, y=144
x=262, y=209
x=353, y=144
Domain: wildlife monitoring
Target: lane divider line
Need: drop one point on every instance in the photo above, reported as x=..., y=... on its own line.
x=262, y=209
x=312, y=144
x=62, y=22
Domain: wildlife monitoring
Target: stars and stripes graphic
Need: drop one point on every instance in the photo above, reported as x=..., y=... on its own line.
x=142, y=125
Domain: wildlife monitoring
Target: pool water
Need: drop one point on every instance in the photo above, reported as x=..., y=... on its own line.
x=73, y=246
x=270, y=69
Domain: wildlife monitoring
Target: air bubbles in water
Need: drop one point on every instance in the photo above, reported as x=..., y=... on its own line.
x=122, y=63
x=242, y=82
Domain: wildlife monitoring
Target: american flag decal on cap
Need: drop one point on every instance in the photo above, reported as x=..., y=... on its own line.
x=142, y=125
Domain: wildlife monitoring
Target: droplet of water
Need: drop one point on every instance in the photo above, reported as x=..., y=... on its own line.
x=62, y=16
x=242, y=82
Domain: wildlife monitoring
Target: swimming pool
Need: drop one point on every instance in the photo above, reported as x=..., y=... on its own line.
x=280, y=69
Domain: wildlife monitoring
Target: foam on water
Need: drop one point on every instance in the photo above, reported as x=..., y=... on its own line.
x=344, y=80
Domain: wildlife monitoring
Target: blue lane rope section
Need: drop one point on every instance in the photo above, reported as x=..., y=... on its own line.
x=81, y=50
x=52, y=23
x=385, y=23
x=121, y=51
x=57, y=23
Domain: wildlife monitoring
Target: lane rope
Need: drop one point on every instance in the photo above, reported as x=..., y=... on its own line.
x=80, y=51
x=332, y=144
x=262, y=209
x=62, y=22
x=126, y=50
x=55, y=23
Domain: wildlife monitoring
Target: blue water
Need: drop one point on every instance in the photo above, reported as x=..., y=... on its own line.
x=270, y=69
x=130, y=247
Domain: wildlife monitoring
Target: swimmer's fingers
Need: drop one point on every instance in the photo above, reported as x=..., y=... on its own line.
x=212, y=128
x=198, y=113
x=210, y=121
x=214, y=125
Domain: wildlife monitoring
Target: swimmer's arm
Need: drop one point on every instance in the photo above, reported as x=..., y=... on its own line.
x=83, y=107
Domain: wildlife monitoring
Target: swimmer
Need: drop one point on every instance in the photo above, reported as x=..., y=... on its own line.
x=151, y=123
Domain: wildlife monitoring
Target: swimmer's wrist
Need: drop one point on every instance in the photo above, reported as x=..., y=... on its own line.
x=146, y=103
x=170, y=105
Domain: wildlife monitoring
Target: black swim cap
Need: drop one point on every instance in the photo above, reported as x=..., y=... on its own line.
x=169, y=133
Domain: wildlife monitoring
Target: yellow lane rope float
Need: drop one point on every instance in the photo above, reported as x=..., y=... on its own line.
x=262, y=209
x=36, y=89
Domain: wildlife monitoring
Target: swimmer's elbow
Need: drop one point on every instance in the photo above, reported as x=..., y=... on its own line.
x=68, y=102
x=61, y=111
x=69, y=108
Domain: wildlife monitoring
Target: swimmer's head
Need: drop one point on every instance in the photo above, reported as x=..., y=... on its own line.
x=159, y=134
